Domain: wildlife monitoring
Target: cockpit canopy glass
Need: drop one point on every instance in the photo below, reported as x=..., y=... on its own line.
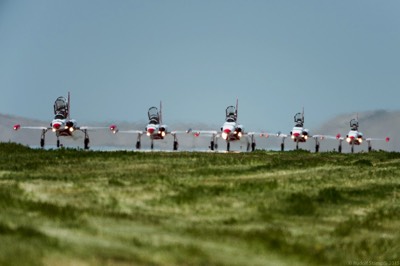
x=230, y=114
x=61, y=106
x=154, y=117
x=353, y=124
x=299, y=119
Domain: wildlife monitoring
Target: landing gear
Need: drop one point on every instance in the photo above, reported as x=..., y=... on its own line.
x=213, y=143
x=316, y=145
x=283, y=144
x=42, y=138
x=138, y=145
x=297, y=144
x=152, y=144
x=58, y=143
x=86, y=141
x=340, y=146
x=352, y=148
x=369, y=146
x=175, y=148
x=253, y=143
x=228, y=146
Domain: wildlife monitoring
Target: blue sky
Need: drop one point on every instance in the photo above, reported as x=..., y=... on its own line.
x=118, y=58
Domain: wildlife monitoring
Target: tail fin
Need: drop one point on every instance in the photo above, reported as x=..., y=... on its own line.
x=237, y=107
x=69, y=106
x=160, y=113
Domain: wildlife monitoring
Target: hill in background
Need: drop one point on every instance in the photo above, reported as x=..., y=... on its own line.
x=375, y=124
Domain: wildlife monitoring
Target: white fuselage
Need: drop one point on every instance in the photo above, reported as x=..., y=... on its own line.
x=63, y=127
x=231, y=131
x=354, y=137
x=299, y=134
x=156, y=131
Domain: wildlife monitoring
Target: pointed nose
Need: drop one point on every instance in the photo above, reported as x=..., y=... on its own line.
x=56, y=126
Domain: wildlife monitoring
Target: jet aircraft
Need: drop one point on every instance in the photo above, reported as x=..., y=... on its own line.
x=62, y=124
x=231, y=131
x=155, y=129
x=355, y=137
x=299, y=134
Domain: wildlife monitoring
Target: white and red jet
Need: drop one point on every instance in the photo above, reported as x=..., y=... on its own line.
x=299, y=134
x=155, y=129
x=355, y=137
x=231, y=130
x=62, y=125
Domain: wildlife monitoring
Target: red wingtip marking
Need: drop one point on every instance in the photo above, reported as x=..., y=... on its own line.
x=17, y=126
x=338, y=136
x=387, y=139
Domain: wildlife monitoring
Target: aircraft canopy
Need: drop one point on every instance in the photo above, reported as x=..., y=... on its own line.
x=61, y=106
x=299, y=119
x=230, y=114
x=154, y=117
x=354, y=124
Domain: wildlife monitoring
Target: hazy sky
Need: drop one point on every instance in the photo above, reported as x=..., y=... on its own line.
x=118, y=58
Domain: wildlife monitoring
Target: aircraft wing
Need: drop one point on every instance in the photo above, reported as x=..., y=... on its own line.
x=276, y=135
x=131, y=131
x=322, y=137
x=17, y=127
x=387, y=139
x=198, y=133
x=91, y=128
x=179, y=132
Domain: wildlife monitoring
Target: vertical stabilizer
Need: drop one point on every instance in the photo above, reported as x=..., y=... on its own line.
x=237, y=107
x=69, y=107
x=160, y=113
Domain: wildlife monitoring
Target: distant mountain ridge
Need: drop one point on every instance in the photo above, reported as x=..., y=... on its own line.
x=377, y=123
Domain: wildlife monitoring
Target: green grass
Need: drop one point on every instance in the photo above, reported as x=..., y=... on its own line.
x=69, y=207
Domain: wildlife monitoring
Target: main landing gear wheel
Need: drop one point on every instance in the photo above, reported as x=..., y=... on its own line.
x=317, y=148
x=253, y=146
x=340, y=149
x=138, y=145
x=58, y=143
x=282, y=147
x=86, y=143
x=42, y=137
x=228, y=146
x=212, y=145
x=175, y=145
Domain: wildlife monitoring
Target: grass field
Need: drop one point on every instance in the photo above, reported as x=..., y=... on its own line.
x=69, y=207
